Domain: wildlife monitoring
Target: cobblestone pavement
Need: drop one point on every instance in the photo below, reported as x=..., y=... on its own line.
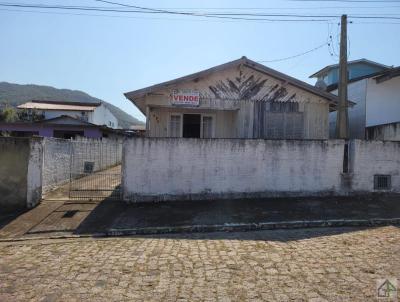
x=336, y=264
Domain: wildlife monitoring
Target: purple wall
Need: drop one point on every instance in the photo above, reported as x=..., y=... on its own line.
x=48, y=130
x=92, y=133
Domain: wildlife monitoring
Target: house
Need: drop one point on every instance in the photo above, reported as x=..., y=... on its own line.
x=329, y=75
x=94, y=113
x=376, y=114
x=238, y=99
x=60, y=127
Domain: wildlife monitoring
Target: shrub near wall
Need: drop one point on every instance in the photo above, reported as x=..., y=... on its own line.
x=170, y=169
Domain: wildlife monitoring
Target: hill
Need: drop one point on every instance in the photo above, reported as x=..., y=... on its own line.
x=15, y=94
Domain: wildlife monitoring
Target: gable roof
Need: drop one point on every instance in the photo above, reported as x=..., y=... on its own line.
x=365, y=61
x=333, y=99
x=68, y=106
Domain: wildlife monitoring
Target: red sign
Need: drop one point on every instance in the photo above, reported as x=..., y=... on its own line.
x=186, y=97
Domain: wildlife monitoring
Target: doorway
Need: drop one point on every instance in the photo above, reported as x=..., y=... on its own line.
x=191, y=125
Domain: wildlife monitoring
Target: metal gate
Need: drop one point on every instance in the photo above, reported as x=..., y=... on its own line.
x=95, y=170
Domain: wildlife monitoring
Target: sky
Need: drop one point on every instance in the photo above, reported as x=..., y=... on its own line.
x=106, y=54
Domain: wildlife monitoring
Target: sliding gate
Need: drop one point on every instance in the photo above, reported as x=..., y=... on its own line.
x=95, y=170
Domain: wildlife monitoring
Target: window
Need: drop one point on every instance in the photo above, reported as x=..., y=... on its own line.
x=175, y=125
x=382, y=182
x=191, y=125
x=283, y=107
x=283, y=121
x=284, y=125
x=207, y=127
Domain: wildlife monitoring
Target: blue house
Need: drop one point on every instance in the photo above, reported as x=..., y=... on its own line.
x=356, y=69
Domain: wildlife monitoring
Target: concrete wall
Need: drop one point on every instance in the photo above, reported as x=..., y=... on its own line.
x=57, y=157
x=387, y=132
x=369, y=158
x=63, y=157
x=21, y=161
x=161, y=168
x=157, y=169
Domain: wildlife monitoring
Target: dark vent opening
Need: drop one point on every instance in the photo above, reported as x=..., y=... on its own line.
x=346, y=158
x=382, y=182
x=88, y=167
x=69, y=214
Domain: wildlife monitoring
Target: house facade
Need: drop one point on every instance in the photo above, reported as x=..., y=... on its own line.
x=94, y=113
x=239, y=99
x=376, y=114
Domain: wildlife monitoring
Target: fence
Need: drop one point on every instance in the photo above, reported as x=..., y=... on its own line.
x=63, y=158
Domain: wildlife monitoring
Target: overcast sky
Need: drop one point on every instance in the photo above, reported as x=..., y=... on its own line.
x=106, y=56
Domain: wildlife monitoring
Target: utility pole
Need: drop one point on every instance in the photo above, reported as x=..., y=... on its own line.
x=342, y=117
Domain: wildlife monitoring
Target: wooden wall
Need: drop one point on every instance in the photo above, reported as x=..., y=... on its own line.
x=237, y=97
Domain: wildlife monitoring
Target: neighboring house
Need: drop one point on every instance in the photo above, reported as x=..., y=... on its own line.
x=59, y=127
x=329, y=75
x=376, y=114
x=239, y=99
x=94, y=113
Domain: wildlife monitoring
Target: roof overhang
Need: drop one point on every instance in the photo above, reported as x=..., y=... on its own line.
x=365, y=61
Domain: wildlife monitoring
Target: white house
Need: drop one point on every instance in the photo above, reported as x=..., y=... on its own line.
x=376, y=114
x=94, y=113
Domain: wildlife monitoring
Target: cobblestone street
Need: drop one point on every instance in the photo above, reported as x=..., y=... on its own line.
x=336, y=264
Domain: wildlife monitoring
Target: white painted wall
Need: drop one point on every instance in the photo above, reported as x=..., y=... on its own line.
x=383, y=102
x=100, y=116
x=103, y=116
x=165, y=168
x=374, y=157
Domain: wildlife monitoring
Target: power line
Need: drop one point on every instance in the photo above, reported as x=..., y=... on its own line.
x=229, y=16
x=348, y=1
x=295, y=56
x=237, y=14
x=151, y=11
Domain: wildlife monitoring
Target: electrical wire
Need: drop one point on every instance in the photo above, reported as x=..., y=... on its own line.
x=294, y=56
x=232, y=16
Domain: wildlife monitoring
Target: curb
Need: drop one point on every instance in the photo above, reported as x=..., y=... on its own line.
x=228, y=227
x=69, y=236
x=234, y=227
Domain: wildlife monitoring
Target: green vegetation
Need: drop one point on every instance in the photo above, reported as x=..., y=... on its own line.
x=15, y=94
x=8, y=114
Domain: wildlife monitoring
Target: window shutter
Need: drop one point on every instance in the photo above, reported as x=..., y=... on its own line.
x=207, y=127
x=175, y=126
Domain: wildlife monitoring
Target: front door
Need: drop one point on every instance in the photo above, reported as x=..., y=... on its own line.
x=191, y=125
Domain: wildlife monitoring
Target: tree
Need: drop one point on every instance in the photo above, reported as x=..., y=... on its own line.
x=8, y=114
